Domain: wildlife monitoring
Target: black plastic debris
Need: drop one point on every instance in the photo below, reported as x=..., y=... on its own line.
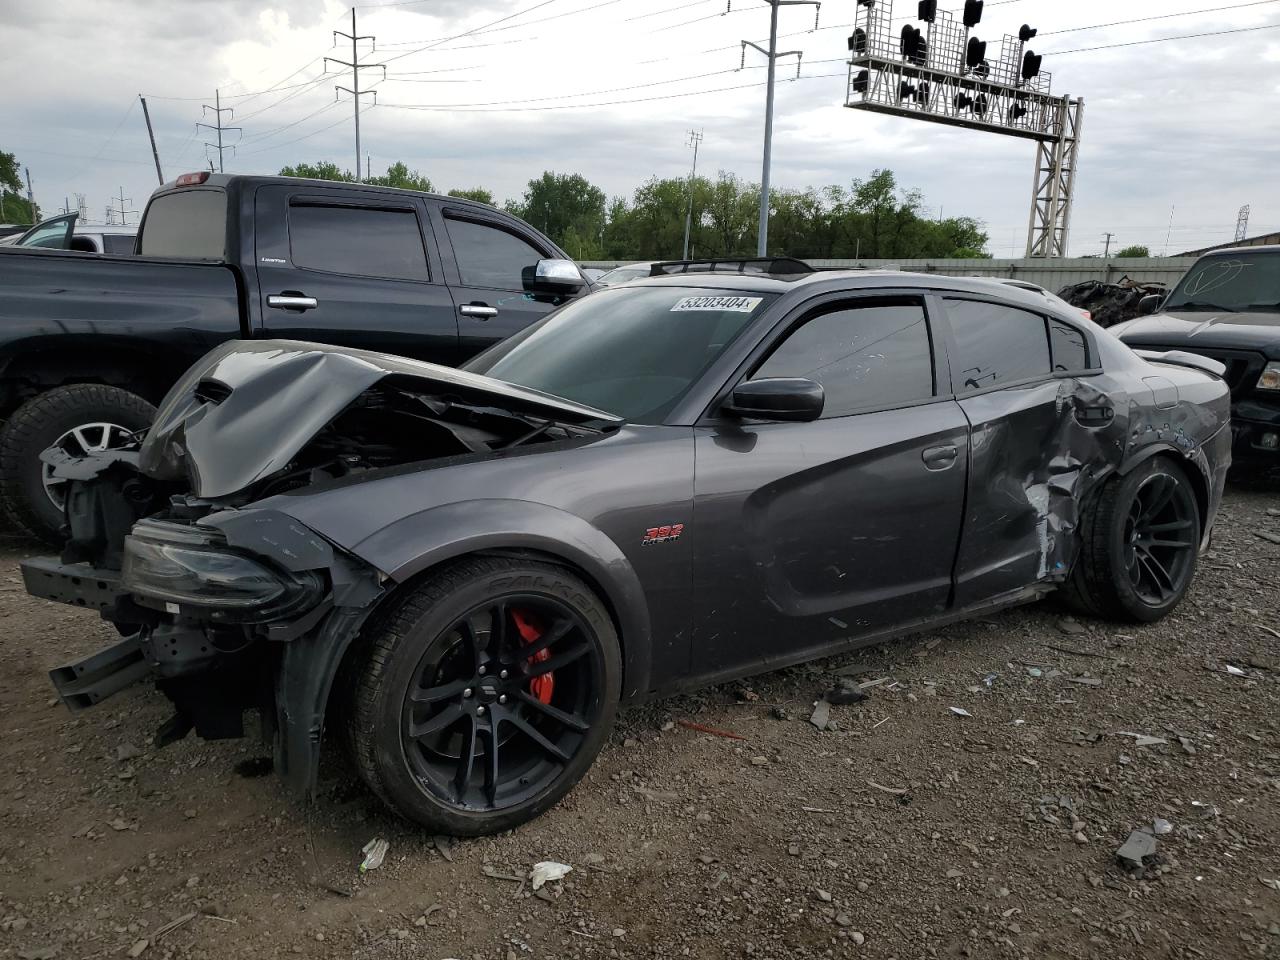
x=845, y=691
x=1109, y=303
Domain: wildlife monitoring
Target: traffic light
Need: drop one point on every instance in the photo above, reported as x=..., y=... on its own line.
x=906, y=91
x=913, y=45
x=927, y=11
x=861, y=81
x=1025, y=33
x=858, y=41
x=980, y=104
x=1030, y=65
x=963, y=101
x=921, y=95
x=972, y=13
x=975, y=53
x=1017, y=112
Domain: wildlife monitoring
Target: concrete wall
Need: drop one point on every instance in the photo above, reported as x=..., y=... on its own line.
x=1050, y=274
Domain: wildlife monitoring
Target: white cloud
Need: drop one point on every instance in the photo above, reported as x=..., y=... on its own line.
x=1165, y=124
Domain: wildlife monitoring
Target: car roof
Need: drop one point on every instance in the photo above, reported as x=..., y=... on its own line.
x=835, y=280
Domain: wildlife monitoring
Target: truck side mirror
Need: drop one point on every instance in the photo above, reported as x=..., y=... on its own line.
x=561, y=277
x=1150, y=304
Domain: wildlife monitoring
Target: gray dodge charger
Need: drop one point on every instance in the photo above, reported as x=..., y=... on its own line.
x=720, y=470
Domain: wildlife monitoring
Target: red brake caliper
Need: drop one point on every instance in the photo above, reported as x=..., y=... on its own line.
x=541, y=686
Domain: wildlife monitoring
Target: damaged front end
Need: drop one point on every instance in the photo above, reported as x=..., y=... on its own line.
x=231, y=606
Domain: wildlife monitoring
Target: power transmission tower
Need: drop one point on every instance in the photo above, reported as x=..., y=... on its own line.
x=123, y=210
x=695, y=138
x=356, y=66
x=218, y=110
x=1242, y=223
x=82, y=208
x=773, y=55
x=1106, y=251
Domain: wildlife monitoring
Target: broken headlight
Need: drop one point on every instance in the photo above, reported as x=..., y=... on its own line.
x=171, y=566
x=1270, y=379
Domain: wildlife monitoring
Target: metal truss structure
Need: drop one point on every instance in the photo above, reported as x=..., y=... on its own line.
x=936, y=76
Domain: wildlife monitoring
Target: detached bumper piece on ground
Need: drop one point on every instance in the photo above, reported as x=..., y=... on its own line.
x=461, y=574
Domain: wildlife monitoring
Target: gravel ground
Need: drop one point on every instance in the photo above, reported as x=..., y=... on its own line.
x=904, y=830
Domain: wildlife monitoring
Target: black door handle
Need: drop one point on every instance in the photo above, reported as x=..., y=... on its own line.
x=939, y=458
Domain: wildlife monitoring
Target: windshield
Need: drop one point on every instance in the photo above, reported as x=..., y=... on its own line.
x=1237, y=283
x=633, y=351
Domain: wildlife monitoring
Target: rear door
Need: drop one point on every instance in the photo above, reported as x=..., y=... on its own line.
x=1002, y=368
x=811, y=533
x=488, y=257
x=354, y=269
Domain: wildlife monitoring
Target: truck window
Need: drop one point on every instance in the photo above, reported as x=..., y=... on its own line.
x=117, y=243
x=357, y=240
x=488, y=256
x=191, y=224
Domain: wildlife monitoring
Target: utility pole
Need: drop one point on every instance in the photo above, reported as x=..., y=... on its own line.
x=356, y=66
x=31, y=197
x=695, y=138
x=155, y=154
x=772, y=53
x=218, y=110
x=1106, y=251
x=124, y=211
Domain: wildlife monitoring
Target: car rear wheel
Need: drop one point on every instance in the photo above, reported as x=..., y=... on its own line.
x=1139, y=544
x=486, y=695
x=80, y=418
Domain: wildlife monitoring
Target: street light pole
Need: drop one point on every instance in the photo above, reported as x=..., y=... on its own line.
x=695, y=138
x=762, y=242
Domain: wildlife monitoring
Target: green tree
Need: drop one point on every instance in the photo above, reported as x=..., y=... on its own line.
x=324, y=170
x=559, y=202
x=399, y=175
x=1136, y=250
x=14, y=207
x=479, y=194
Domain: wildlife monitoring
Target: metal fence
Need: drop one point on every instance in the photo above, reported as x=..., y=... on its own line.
x=1052, y=274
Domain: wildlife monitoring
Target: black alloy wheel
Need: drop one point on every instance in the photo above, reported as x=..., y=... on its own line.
x=502, y=701
x=485, y=694
x=1160, y=538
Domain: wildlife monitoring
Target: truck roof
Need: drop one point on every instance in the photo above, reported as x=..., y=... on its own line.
x=239, y=180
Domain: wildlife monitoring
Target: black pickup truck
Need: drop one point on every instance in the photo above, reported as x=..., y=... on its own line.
x=1226, y=307
x=89, y=343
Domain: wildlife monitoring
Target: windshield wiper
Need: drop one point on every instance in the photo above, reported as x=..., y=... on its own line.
x=1198, y=305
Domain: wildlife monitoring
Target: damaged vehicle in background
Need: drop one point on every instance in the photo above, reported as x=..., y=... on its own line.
x=1227, y=307
x=674, y=482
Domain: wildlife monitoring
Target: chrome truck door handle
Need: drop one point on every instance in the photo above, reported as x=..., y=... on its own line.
x=478, y=310
x=290, y=301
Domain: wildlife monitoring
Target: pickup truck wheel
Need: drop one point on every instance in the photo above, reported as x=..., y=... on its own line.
x=486, y=695
x=80, y=418
x=1138, y=544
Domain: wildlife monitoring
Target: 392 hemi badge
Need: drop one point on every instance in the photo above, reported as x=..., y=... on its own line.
x=662, y=534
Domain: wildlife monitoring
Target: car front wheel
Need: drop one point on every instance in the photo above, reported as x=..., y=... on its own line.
x=485, y=695
x=1139, y=544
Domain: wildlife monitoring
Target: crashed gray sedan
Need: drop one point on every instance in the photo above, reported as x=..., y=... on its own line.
x=461, y=574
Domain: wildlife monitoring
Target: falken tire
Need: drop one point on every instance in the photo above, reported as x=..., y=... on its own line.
x=1123, y=573
x=37, y=425
x=420, y=636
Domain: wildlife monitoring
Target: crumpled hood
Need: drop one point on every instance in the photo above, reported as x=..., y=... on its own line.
x=247, y=408
x=1203, y=328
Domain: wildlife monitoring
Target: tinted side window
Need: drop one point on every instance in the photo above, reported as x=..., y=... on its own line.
x=1070, y=348
x=996, y=344
x=356, y=240
x=864, y=357
x=489, y=257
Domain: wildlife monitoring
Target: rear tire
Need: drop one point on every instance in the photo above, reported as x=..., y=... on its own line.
x=104, y=416
x=447, y=688
x=1139, y=545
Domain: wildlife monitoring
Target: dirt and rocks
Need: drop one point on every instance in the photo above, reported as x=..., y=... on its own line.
x=903, y=828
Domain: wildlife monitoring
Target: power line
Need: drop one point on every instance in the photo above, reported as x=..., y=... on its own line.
x=1138, y=43
x=467, y=33
x=1162, y=16
x=308, y=136
x=259, y=137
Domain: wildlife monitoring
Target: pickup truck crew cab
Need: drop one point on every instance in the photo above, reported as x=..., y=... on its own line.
x=89, y=343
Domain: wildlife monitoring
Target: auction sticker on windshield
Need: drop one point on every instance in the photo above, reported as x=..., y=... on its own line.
x=729, y=304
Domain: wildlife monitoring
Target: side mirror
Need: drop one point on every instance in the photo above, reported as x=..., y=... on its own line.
x=560, y=277
x=1150, y=304
x=782, y=398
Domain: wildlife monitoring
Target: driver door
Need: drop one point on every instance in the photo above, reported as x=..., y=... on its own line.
x=813, y=533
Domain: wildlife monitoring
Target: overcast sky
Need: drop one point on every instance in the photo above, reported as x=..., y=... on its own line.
x=1190, y=126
